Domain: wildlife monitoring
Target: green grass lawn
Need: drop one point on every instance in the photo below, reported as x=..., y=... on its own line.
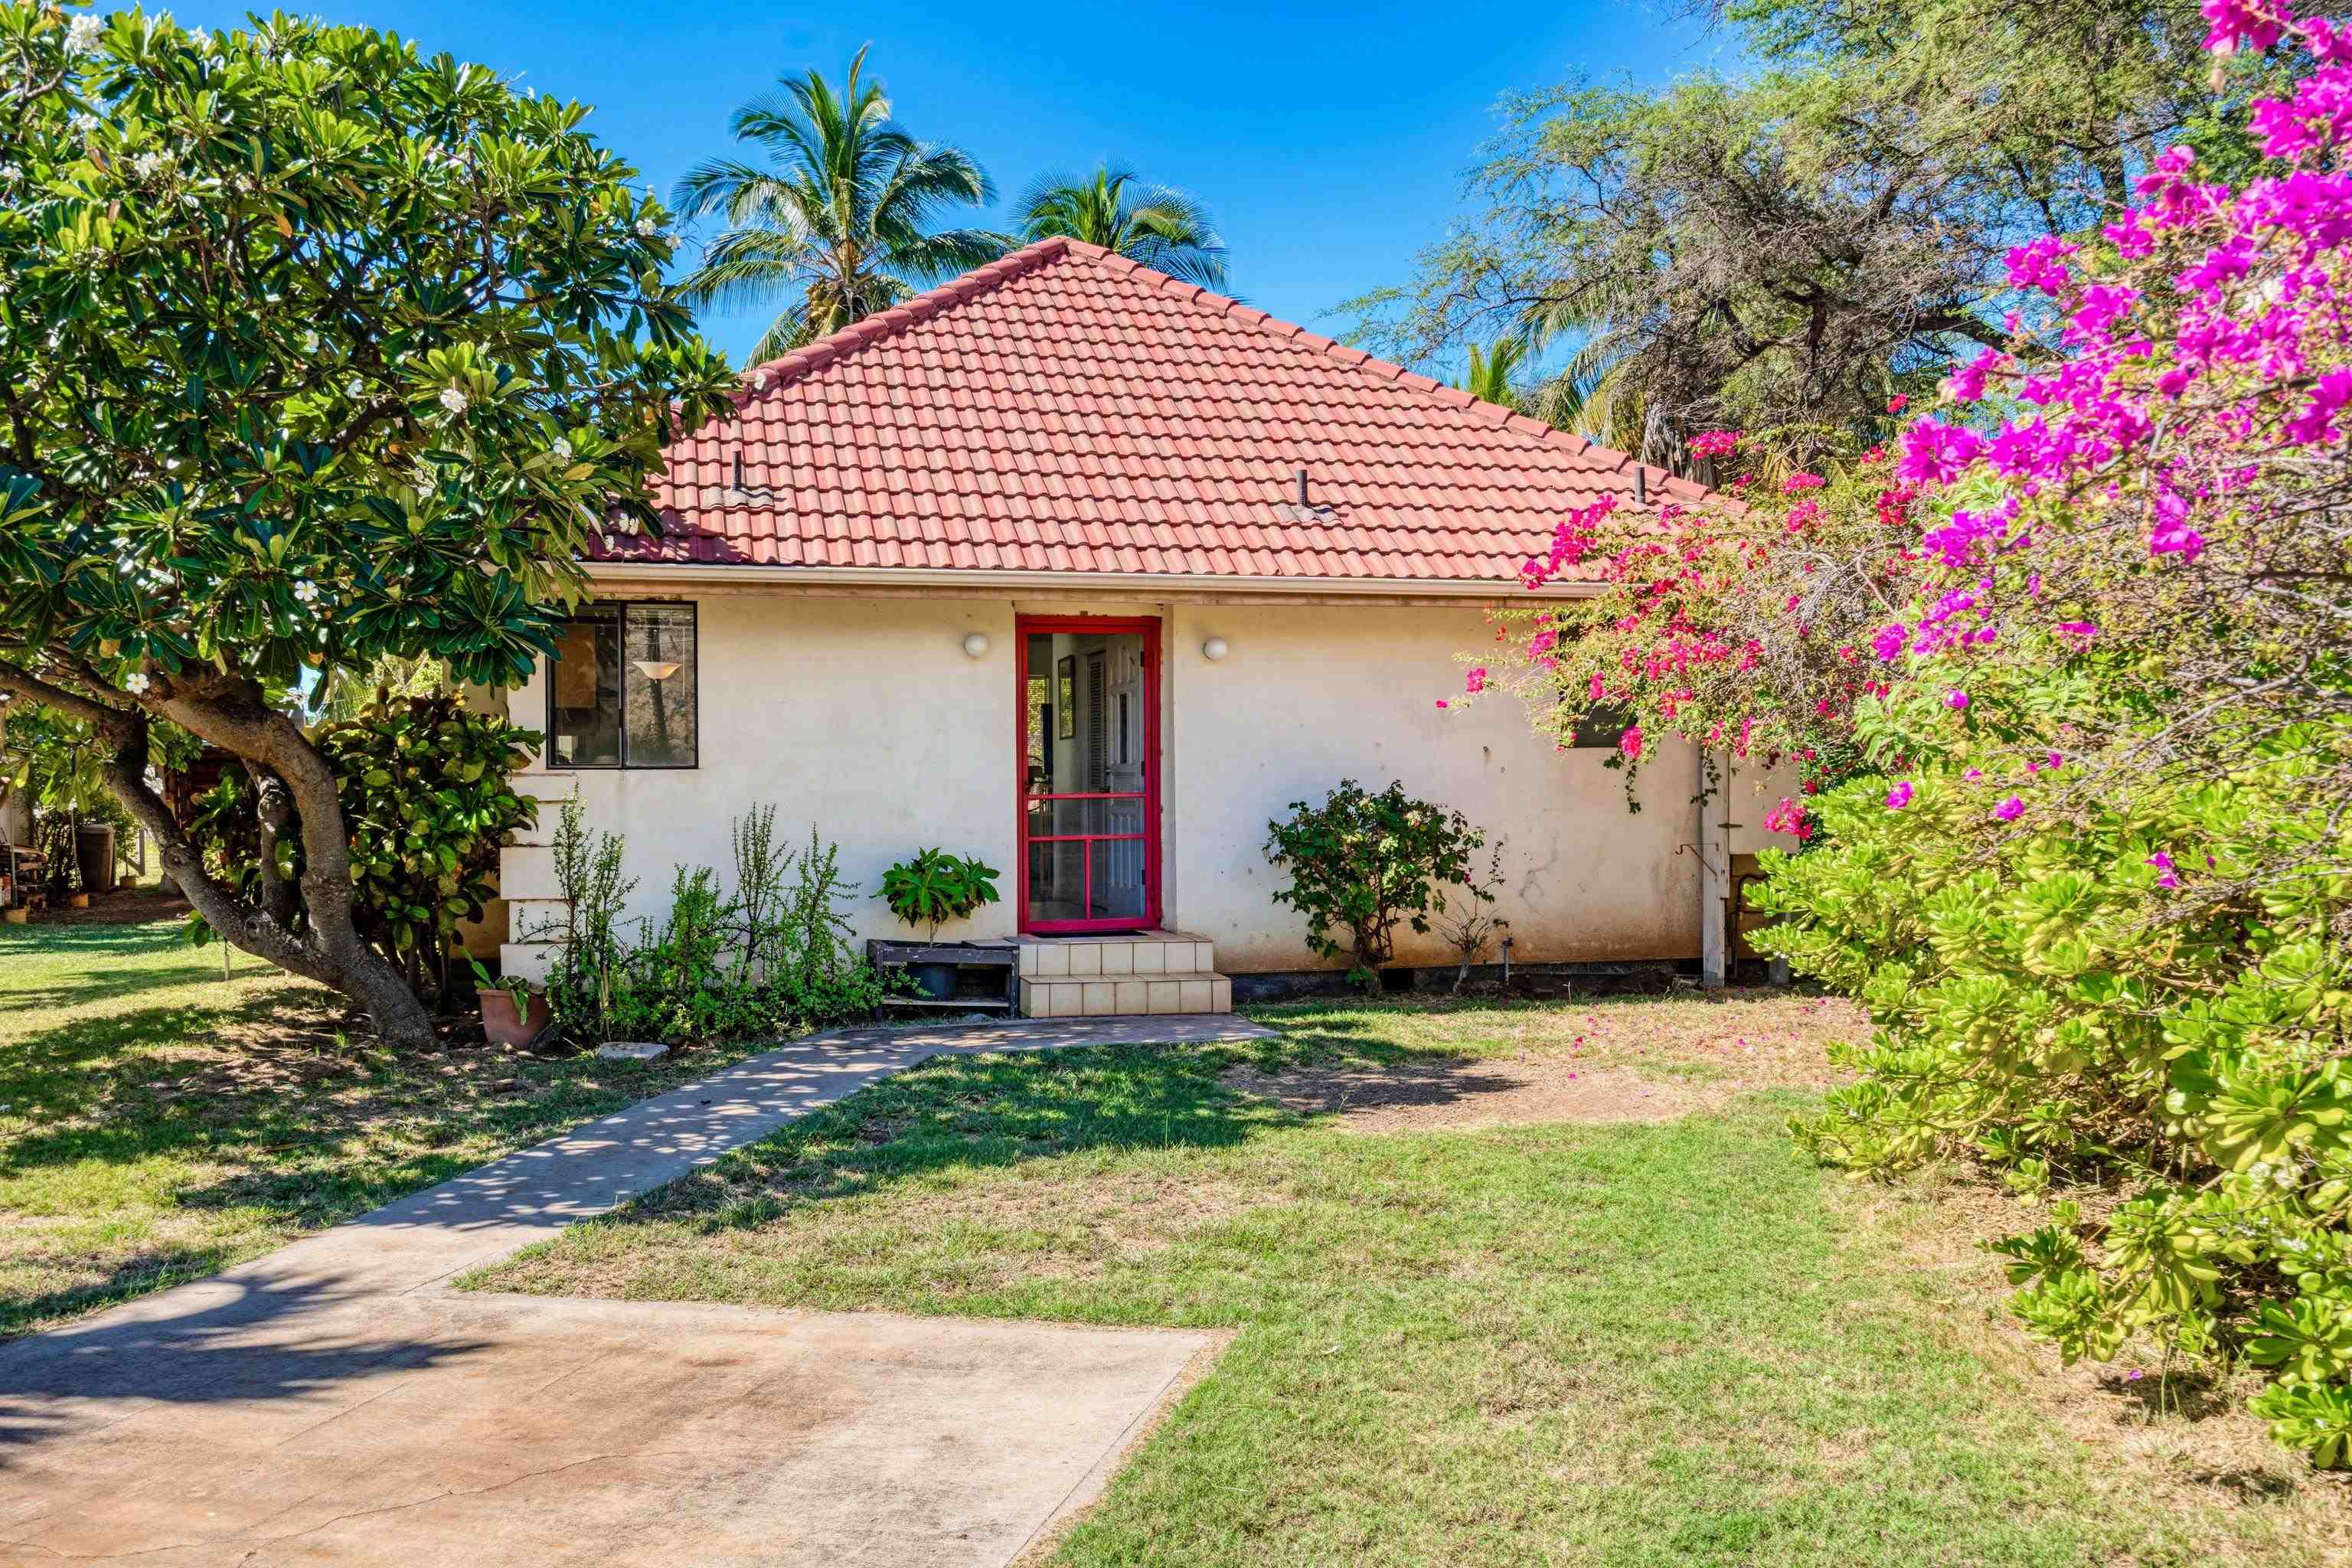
x=1547, y=1341
x=1667, y=1342
x=158, y=1122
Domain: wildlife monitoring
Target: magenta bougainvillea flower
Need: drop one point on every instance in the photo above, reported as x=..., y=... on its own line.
x=1957, y=702
x=1899, y=796
x=2009, y=810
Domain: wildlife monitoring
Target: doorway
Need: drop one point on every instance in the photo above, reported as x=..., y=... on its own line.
x=1088, y=774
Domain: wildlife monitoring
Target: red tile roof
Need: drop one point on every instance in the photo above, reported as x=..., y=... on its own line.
x=1066, y=410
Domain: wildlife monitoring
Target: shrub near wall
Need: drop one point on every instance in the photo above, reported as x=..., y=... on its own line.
x=2181, y=1082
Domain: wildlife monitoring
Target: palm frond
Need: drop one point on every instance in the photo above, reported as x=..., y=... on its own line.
x=1160, y=226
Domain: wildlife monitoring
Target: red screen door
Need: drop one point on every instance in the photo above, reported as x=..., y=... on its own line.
x=1088, y=772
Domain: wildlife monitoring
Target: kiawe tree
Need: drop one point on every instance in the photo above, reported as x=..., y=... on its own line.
x=1783, y=250
x=313, y=351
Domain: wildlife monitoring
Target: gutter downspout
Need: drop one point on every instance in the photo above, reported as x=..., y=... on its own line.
x=1714, y=879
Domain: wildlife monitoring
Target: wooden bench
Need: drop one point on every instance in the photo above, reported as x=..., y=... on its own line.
x=1000, y=956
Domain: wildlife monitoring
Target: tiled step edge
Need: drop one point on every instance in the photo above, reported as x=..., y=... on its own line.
x=1120, y=996
x=1140, y=957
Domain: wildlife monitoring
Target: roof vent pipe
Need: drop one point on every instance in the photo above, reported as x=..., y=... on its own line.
x=738, y=471
x=1300, y=474
x=1640, y=482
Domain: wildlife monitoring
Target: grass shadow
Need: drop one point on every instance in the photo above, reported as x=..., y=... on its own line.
x=1004, y=1110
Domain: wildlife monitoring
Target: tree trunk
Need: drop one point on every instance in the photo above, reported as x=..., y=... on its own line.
x=229, y=713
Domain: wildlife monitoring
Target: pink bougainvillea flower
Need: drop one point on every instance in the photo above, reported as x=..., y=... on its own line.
x=1714, y=443
x=2040, y=264
x=1935, y=454
x=2235, y=19
x=2009, y=810
x=1899, y=796
x=1891, y=640
x=1801, y=481
x=2176, y=539
x=1476, y=682
x=1898, y=402
x=1442, y=702
x=1967, y=385
x=1788, y=818
x=2078, y=634
x=1957, y=702
x=1630, y=742
x=1973, y=774
x=2163, y=863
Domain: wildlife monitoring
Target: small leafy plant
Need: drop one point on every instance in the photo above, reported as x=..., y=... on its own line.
x=936, y=887
x=1366, y=863
x=1469, y=927
x=517, y=989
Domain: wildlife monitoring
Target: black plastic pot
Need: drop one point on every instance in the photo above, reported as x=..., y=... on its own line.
x=936, y=980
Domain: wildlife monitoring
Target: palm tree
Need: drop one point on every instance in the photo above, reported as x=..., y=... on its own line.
x=1488, y=379
x=836, y=226
x=1162, y=228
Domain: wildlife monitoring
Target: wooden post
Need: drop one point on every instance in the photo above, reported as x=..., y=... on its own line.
x=1714, y=877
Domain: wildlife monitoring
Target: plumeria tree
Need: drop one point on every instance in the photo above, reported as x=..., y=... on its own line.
x=313, y=352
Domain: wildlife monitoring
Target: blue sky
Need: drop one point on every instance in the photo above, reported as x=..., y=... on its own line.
x=1328, y=139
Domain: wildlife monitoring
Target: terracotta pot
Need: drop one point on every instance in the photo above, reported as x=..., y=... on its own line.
x=76, y=900
x=500, y=1025
x=15, y=917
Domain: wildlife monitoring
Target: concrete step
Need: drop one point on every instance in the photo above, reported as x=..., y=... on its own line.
x=1112, y=996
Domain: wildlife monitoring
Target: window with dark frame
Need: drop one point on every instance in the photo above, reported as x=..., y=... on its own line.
x=622, y=689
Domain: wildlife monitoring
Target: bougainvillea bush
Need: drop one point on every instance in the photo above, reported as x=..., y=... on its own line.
x=2086, y=848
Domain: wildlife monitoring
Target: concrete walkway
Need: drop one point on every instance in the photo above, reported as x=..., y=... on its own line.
x=334, y=1402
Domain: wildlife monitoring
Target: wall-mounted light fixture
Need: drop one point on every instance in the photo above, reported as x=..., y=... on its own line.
x=655, y=669
x=1214, y=649
x=975, y=644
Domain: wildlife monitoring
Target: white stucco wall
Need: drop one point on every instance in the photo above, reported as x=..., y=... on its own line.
x=864, y=716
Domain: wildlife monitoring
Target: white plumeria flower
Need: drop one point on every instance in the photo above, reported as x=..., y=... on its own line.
x=453, y=400
x=200, y=40
x=562, y=448
x=147, y=166
x=83, y=124
x=305, y=593
x=136, y=685
x=81, y=33
x=647, y=227
x=355, y=388
x=309, y=342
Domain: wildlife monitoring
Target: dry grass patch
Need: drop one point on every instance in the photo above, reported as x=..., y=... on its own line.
x=2180, y=1439
x=1465, y=1095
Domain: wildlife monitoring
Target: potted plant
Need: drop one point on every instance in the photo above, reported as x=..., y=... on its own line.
x=933, y=888
x=512, y=1012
